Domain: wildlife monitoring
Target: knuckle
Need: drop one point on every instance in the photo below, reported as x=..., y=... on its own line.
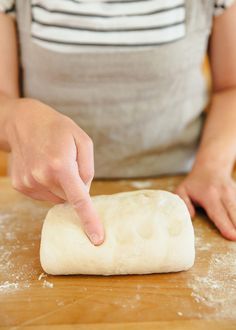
x=86, y=222
x=81, y=203
x=212, y=210
x=214, y=216
x=87, y=175
x=37, y=196
x=28, y=181
x=232, y=206
x=212, y=191
x=88, y=141
x=226, y=189
x=56, y=165
x=17, y=185
x=211, y=214
x=41, y=175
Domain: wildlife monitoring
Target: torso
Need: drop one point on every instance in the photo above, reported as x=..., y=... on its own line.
x=140, y=96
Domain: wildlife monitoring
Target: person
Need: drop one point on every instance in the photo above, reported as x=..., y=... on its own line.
x=125, y=77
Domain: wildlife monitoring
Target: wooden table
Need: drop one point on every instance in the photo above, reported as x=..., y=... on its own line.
x=202, y=298
x=3, y=163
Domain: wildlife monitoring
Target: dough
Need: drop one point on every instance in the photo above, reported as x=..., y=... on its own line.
x=147, y=231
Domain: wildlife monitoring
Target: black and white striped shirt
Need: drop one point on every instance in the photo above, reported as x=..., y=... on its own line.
x=65, y=25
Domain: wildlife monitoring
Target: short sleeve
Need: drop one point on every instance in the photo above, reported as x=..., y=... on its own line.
x=7, y=6
x=221, y=6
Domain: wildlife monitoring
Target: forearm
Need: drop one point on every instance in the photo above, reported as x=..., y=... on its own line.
x=9, y=75
x=6, y=105
x=217, y=148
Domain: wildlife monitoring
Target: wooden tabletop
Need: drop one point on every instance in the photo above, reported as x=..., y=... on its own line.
x=202, y=298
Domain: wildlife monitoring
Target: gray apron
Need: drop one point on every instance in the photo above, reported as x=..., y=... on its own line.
x=142, y=107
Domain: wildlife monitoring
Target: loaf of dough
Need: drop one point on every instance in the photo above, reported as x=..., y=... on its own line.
x=147, y=231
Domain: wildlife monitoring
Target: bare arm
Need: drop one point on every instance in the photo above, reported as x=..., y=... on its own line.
x=9, y=78
x=210, y=184
x=9, y=84
x=220, y=129
x=52, y=158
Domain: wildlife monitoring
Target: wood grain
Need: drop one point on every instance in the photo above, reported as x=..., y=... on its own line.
x=202, y=298
x=3, y=163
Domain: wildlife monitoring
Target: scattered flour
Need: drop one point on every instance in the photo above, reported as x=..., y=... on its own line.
x=141, y=184
x=47, y=284
x=216, y=288
x=205, y=247
x=167, y=184
x=17, y=262
x=6, y=286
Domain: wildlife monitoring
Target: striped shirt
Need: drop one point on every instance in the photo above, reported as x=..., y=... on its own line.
x=128, y=72
x=74, y=25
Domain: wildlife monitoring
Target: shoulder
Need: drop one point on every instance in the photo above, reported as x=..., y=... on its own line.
x=220, y=6
x=7, y=7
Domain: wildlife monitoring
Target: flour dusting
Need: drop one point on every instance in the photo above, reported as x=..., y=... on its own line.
x=141, y=184
x=17, y=256
x=217, y=288
x=8, y=286
x=47, y=284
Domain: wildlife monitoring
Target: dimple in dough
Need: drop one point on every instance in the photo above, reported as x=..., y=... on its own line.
x=147, y=231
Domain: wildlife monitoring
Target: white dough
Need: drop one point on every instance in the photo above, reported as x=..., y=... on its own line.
x=147, y=231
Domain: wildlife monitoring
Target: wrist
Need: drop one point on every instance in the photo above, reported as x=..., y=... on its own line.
x=7, y=107
x=219, y=163
x=11, y=115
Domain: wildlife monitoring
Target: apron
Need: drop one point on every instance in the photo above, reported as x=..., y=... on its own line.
x=142, y=107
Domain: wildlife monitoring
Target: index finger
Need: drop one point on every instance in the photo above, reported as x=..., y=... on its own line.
x=78, y=196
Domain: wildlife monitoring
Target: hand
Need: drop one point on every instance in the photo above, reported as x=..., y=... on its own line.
x=52, y=159
x=216, y=193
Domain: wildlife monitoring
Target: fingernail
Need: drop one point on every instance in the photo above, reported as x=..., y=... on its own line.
x=95, y=239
